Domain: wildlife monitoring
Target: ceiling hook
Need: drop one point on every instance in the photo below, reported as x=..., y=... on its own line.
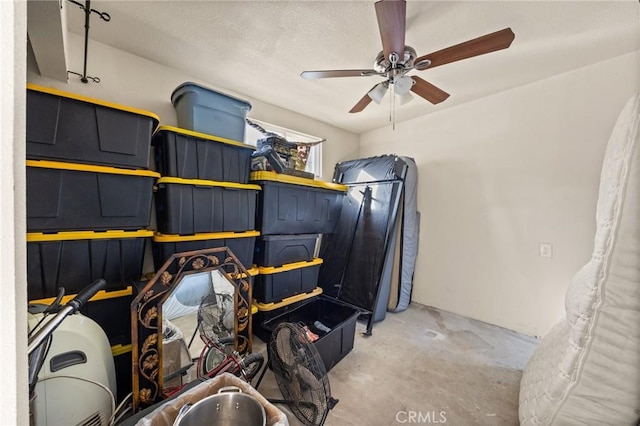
x=87, y=17
x=103, y=15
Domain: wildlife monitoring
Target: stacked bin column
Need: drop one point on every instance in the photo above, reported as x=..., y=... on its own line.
x=207, y=153
x=203, y=199
x=89, y=192
x=292, y=213
x=89, y=200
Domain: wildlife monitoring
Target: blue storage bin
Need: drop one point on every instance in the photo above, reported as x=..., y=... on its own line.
x=205, y=110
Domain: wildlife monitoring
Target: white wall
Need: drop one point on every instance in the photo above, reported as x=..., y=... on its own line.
x=133, y=81
x=13, y=288
x=500, y=175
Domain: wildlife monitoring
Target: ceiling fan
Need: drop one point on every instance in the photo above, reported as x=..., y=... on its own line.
x=397, y=59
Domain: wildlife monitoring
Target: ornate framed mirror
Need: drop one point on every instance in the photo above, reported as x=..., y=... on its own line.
x=203, y=292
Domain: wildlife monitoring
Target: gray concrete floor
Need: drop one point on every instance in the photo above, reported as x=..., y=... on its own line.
x=433, y=365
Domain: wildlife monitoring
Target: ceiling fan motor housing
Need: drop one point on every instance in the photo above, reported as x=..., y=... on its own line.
x=384, y=65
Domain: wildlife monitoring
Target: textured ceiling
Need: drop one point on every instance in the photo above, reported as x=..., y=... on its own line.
x=259, y=48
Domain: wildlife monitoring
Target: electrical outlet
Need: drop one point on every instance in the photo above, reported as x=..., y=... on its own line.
x=546, y=250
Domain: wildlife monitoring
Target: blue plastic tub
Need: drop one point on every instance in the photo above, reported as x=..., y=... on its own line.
x=205, y=110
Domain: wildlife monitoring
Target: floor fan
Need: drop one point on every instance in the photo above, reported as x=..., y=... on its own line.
x=300, y=374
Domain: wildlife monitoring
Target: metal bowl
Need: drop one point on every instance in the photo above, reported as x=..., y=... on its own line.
x=229, y=407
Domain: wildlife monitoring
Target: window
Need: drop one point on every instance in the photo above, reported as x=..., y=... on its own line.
x=314, y=160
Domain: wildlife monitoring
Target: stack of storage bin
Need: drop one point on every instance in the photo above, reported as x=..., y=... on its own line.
x=89, y=192
x=89, y=199
x=203, y=199
x=292, y=213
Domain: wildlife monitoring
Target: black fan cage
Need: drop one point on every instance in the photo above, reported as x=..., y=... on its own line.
x=216, y=318
x=300, y=373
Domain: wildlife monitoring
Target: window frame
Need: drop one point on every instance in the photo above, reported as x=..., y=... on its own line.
x=314, y=162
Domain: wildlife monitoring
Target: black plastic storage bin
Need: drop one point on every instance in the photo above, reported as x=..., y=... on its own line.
x=71, y=197
x=112, y=311
x=68, y=127
x=240, y=243
x=73, y=259
x=191, y=155
x=293, y=205
x=278, y=250
x=123, y=363
x=267, y=311
x=275, y=284
x=193, y=206
x=339, y=317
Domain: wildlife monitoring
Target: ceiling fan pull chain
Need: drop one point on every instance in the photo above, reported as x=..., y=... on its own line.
x=393, y=105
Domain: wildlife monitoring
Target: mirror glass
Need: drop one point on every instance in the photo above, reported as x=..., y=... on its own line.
x=197, y=300
x=200, y=311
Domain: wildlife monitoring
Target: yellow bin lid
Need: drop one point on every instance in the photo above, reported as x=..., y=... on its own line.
x=33, y=237
x=283, y=178
x=266, y=270
x=78, y=167
x=199, y=135
x=120, y=349
x=202, y=182
x=56, y=92
x=101, y=295
x=172, y=238
x=266, y=307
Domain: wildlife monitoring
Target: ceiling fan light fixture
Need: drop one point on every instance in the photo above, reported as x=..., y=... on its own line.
x=403, y=85
x=378, y=92
x=405, y=99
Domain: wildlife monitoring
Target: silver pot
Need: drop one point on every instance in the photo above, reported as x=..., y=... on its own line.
x=229, y=407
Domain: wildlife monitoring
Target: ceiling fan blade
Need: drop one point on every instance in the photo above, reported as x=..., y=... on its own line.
x=392, y=15
x=428, y=91
x=311, y=75
x=478, y=46
x=362, y=103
